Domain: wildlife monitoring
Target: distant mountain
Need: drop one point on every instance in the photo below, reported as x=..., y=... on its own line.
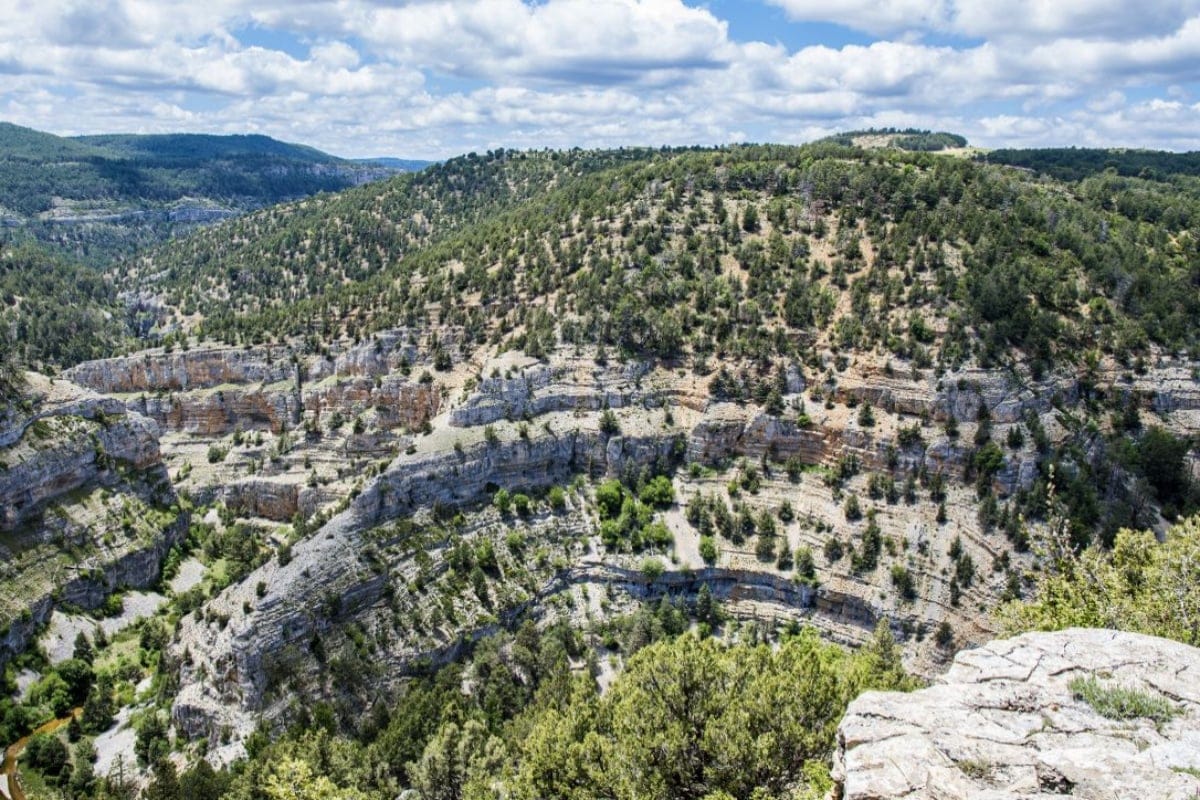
x=1077, y=163
x=198, y=147
x=99, y=196
x=398, y=164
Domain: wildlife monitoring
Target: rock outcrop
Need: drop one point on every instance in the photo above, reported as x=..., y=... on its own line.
x=1004, y=723
x=86, y=506
x=202, y=368
x=369, y=435
x=523, y=388
x=327, y=582
x=213, y=391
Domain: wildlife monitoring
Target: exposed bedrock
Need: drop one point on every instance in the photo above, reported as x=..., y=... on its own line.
x=326, y=583
x=86, y=506
x=213, y=392
x=1005, y=723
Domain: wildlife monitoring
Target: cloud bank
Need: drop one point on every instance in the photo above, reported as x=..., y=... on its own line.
x=432, y=78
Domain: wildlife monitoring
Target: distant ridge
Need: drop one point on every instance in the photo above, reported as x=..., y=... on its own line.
x=42, y=171
x=398, y=164
x=103, y=195
x=912, y=139
x=1077, y=163
x=195, y=146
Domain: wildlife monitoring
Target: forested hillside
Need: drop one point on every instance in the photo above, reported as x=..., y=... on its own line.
x=1003, y=259
x=57, y=313
x=41, y=169
x=735, y=263
x=1077, y=163
x=94, y=197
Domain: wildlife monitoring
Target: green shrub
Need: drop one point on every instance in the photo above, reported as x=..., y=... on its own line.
x=609, y=424
x=652, y=568
x=1119, y=702
x=852, y=509
x=658, y=492
x=902, y=579
x=521, y=503
x=609, y=498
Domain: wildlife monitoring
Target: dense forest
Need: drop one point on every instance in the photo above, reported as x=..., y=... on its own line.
x=1077, y=163
x=56, y=312
x=249, y=170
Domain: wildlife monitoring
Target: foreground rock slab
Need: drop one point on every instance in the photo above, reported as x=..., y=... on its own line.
x=1004, y=723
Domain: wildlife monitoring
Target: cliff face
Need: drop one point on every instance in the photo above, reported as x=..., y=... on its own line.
x=1005, y=722
x=65, y=448
x=213, y=391
x=360, y=568
x=86, y=506
x=182, y=371
x=286, y=426
x=387, y=450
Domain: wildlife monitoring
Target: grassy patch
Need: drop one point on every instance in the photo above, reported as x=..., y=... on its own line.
x=972, y=768
x=1118, y=702
x=122, y=648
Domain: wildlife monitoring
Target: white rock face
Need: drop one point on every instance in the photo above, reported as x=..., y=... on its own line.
x=1003, y=723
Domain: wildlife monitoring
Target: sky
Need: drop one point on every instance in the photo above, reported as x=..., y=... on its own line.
x=436, y=78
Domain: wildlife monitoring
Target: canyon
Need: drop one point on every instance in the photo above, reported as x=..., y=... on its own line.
x=372, y=449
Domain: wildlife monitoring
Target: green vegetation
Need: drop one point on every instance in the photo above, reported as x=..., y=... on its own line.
x=689, y=717
x=59, y=313
x=686, y=717
x=246, y=170
x=1137, y=585
x=905, y=139
x=631, y=242
x=1119, y=702
x=746, y=266
x=1077, y=163
x=632, y=245
x=12, y=376
x=627, y=522
x=99, y=198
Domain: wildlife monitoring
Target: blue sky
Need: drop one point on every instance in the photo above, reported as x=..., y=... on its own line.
x=433, y=78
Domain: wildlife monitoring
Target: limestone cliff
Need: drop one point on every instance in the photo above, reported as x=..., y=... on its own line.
x=377, y=450
x=286, y=425
x=86, y=506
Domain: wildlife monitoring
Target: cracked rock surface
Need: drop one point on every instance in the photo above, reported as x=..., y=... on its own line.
x=1004, y=723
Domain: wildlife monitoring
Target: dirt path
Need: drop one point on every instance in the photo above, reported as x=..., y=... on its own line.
x=14, y=752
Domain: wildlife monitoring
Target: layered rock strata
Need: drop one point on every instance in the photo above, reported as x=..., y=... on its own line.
x=86, y=507
x=516, y=422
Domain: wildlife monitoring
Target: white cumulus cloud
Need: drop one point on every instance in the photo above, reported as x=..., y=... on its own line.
x=436, y=77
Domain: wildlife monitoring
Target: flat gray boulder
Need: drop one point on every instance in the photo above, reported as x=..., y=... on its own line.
x=1005, y=722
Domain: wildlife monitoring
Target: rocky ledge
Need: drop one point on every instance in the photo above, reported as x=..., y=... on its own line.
x=86, y=506
x=1007, y=721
